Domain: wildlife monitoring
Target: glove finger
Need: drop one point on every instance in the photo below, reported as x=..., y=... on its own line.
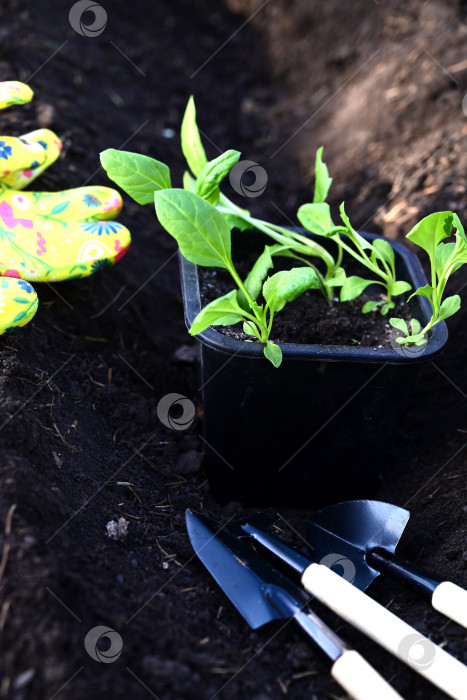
x=14, y=93
x=49, y=251
x=79, y=204
x=18, y=303
x=17, y=154
x=46, y=147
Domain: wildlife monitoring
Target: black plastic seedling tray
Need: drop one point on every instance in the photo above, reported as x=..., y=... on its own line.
x=315, y=430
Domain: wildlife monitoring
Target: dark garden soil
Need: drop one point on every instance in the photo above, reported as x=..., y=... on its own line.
x=381, y=87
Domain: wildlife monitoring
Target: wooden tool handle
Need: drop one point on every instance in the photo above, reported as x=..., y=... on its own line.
x=349, y=669
x=388, y=630
x=451, y=600
x=360, y=680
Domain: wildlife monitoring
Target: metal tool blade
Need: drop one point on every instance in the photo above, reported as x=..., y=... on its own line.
x=341, y=535
x=244, y=576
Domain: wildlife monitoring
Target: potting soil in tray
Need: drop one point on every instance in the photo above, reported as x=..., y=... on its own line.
x=310, y=318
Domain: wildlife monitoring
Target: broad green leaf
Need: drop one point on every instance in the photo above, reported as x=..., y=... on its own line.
x=400, y=287
x=258, y=273
x=387, y=307
x=442, y=254
x=351, y=232
x=322, y=179
x=416, y=326
x=249, y=328
x=226, y=305
x=191, y=140
x=229, y=320
x=255, y=308
x=273, y=353
x=291, y=251
x=189, y=182
x=400, y=324
x=315, y=217
x=140, y=176
x=458, y=265
x=353, y=287
x=425, y=291
x=234, y=221
x=338, y=279
x=431, y=230
x=288, y=285
x=370, y=306
x=461, y=255
x=414, y=339
x=449, y=307
x=457, y=223
x=207, y=182
x=385, y=250
x=199, y=229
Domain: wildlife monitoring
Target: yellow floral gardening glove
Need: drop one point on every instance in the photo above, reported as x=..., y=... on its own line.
x=47, y=236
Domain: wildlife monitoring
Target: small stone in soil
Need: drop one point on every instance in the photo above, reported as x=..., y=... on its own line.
x=188, y=463
x=117, y=529
x=187, y=353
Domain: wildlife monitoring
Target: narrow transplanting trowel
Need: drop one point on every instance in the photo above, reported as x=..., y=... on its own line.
x=262, y=594
x=361, y=538
x=367, y=615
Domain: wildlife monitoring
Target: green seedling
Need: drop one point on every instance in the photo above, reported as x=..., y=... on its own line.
x=376, y=256
x=205, y=179
x=445, y=259
x=204, y=238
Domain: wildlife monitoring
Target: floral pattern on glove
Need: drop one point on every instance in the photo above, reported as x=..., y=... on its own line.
x=45, y=251
x=82, y=204
x=18, y=304
x=14, y=93
x=30, y=155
